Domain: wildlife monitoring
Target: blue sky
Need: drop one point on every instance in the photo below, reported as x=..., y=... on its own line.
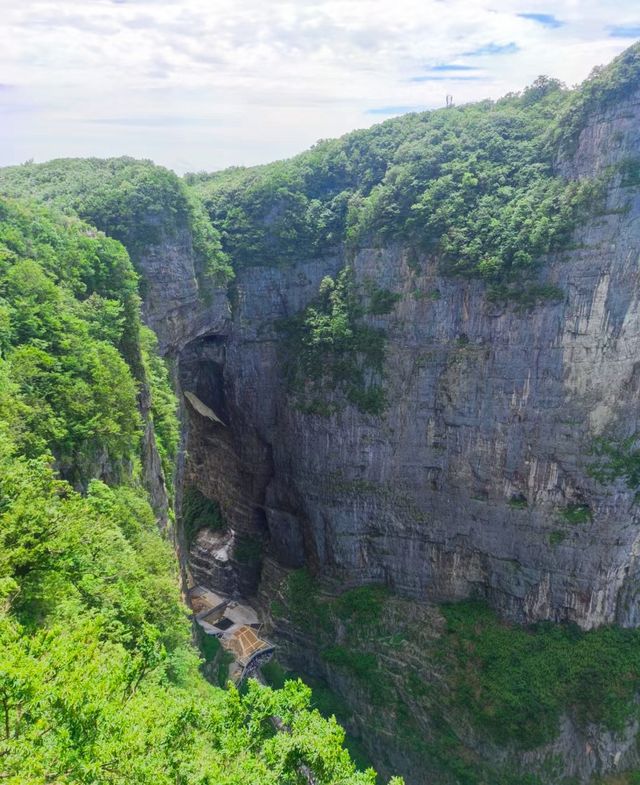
x=203, y=84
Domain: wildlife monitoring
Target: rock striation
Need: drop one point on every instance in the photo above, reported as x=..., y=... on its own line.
x=467, y=485
x=462, y=487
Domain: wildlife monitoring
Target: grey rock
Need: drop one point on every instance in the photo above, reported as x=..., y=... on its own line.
x=457, y=489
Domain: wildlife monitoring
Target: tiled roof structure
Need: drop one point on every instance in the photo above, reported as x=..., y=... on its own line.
x=234, y=624
x=243, y=643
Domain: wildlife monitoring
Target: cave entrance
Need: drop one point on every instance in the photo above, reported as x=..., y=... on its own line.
x=201, y=376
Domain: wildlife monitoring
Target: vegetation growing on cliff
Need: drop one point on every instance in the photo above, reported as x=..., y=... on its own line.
x=199, y=512
x=328, y=349
x=164, y=414
x=617, y=461
x=136, y=202
x=605, y=87
x=99, y=681
x=463, y=665
x=70, y=318
x=324, y=699
x=516, y=682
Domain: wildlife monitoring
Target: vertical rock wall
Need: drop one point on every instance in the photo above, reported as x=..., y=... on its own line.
x=462, y=487
x=467, y=484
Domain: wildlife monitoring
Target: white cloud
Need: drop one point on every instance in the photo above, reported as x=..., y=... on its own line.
x=209, y=83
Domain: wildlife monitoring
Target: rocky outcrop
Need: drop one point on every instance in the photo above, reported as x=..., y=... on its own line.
x=174, y=306
x=152, y=472
x=210, y=562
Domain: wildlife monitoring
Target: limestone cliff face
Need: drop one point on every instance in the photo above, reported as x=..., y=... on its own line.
x=173, y=304
x=462, y=487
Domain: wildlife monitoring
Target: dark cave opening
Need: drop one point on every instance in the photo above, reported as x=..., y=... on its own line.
x=201, y=372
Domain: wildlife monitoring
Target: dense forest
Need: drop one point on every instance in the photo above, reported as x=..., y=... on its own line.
x=477, y=186
x=132, y=201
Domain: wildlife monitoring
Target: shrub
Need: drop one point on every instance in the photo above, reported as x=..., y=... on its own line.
x=576, y=513
x=199, y=512
x=328, y=350
x=515, y=682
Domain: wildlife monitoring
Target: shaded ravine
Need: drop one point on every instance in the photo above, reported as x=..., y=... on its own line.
x=467, y=486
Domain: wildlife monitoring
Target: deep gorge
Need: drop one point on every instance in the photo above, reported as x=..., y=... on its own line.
x=461, y=507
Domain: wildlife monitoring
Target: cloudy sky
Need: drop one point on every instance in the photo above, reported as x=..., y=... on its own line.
x=203, y=84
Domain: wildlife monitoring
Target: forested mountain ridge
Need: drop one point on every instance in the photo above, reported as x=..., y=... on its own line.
x=479, y=185
x=423, y=365
x=135, y=202
x=148, y=208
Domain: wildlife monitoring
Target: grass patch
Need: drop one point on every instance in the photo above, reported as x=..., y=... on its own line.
x=617, y=461
x=630, y=173
x=524, y=295
x=557, y=537
x=576, y=513
x=361, y=606
x=518, y=502
x=363, y=664
x=382, y=301
x=303, y=603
